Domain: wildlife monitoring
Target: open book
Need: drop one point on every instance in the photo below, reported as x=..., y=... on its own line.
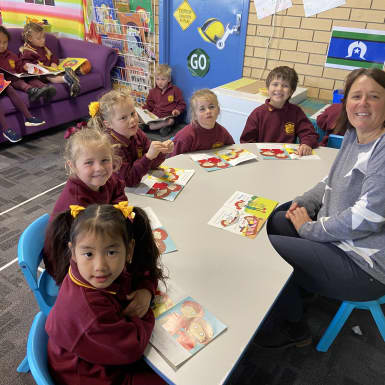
x=182, y=326
x=4, y=84
x=162, y=183
x=283, y=151
x=162, y=239
x=219, y=160
x=243, y=214
x=148, y=117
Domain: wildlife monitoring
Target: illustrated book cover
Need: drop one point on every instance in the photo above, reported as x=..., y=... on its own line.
x=182, y=325
x=162, y=239
x=275, y=151
x=162, y=183
x=222, y=159
x=243, y=214
x=4, y=84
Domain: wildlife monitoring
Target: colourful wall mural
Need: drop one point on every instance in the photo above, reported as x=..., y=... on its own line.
x=65, y=17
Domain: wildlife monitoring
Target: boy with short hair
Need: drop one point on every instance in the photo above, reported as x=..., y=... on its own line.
x=278, y=120
x=165, y=99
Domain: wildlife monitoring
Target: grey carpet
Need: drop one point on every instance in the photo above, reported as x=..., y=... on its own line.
x=35, y=165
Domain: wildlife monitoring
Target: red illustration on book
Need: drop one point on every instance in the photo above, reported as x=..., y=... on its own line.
x=159, y=236
x=249, y=225
x=213, y=162
x=276, y=152
x=162, y=190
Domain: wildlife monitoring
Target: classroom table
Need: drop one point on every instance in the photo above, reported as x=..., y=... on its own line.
x=235, y=278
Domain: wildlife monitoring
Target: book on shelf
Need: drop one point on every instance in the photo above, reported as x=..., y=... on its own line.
x=288, y=151
x=144, y=9
x=162, y=239
x=162, y=183
x=243, y=214
x=183, y=326
x=219, y=160
x=148, y=117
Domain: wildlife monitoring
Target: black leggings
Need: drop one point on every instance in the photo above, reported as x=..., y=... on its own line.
x=319, y=267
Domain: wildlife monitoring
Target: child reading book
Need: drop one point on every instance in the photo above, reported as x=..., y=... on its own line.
x=203, y=133
x=101, y=322
x=35, y=51
x=278, y=120
x=10, y=62
x=164, y=100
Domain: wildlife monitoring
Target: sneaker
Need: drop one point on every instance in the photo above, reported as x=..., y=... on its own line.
x=34, y=121
x=49, y=93
x=73, y=82
x=164, y=131
x=11, y=135
x=34, y=93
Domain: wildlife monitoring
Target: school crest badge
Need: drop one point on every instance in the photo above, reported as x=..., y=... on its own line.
x=217, y=144
x=170, y=98
x=289, y=128
x=139, y=152
x=11, y=63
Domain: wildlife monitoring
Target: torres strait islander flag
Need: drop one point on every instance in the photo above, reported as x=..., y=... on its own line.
x=352, y=48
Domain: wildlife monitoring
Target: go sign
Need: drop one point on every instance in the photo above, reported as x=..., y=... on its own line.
x=198, y=63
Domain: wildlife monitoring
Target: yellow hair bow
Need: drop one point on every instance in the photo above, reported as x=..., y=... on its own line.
x=126, y=210
x=75, y=210
x=93, y=108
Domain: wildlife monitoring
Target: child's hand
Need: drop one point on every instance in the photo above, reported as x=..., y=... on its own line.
x=140, y=302
x=168, y=146
x=54, y=65
x=175, y=112
x=155, y=148
x=304, y=149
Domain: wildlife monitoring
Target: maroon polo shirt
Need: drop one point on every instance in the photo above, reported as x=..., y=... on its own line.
x=10, y=62
x=279, y=125
x=162, y=103
x=37, y=55
x=132, y=152
x=327, y=120
x=90, y=341
x=194, y=137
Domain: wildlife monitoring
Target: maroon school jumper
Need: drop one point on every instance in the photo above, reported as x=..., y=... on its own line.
x=132, y=152
x=91, y=342
x=327, y=121
x=194, y=137
x=162, y=103
x=36, y=55
x=76, y=192
x=279, y=125
x=11, y=62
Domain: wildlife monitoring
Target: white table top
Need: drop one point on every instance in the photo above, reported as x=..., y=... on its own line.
x=235, y=278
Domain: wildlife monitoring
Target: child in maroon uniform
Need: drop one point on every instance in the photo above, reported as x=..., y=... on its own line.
x=327, y=121
x=164, y=100
x=35, y=51
x=203, y=133
x=10, y=62
x=115, y=111
x=91, y=159
x=97, y=331
x=278, y=120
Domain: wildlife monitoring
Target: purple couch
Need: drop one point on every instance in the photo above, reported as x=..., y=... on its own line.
x=62, y=109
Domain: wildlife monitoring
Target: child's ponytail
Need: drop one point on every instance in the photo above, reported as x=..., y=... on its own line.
x=96, y=120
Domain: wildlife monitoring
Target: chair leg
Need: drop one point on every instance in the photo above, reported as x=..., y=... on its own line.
x=379, y=318
x=24, y=366
x=335, y=326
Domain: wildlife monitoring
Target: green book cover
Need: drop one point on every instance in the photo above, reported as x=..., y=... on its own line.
x=144, y=8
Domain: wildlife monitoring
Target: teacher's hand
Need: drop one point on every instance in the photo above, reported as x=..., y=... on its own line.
x=293, y=206
x=298, y=217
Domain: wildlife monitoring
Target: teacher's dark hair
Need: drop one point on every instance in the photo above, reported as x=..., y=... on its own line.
x=342, y=123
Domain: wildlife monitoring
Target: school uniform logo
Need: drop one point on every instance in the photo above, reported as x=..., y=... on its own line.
x=170, y=98
x=139, y=152
x=217, y=144
x=11, y=63
x=289, y=128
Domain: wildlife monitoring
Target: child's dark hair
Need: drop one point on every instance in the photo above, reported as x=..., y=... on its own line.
x=284, y=73
x=105, y=220
x=5, y=32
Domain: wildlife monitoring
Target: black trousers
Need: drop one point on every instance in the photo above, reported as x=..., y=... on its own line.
x=321, y=268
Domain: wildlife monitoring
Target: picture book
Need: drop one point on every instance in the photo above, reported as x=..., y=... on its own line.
x=19, y=75
x=105, y=16
x=4, y=84
x=162, y=183
x=162, y=239
x=243, y=214
x=37, y=69
x=275, y=151
x=144, y=9
x=218, y=160
x=72, y=62
x=182, y=325
x=148, y=117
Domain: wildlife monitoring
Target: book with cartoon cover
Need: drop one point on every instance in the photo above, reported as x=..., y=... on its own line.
x=162, y=183
x=219, y=160
x=4, y=84
x=182, y=325
x=148, y=117
x=162, y=239
x=243, y=214
x=280, y=151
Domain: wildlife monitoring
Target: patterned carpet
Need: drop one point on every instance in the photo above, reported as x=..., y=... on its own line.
x=35, y=165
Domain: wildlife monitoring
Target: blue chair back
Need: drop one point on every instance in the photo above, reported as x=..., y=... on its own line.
x=29, y=254
x=37, y=351
x=335, y=141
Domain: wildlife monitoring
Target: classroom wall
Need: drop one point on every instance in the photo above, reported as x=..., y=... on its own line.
x=302, y=42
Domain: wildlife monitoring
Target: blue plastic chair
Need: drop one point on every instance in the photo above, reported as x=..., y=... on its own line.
x=37, y=351
x=29, y=254
x=335, y=141
x=342, y=315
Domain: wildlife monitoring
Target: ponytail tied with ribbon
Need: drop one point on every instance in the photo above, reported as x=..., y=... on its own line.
x=126, y=210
